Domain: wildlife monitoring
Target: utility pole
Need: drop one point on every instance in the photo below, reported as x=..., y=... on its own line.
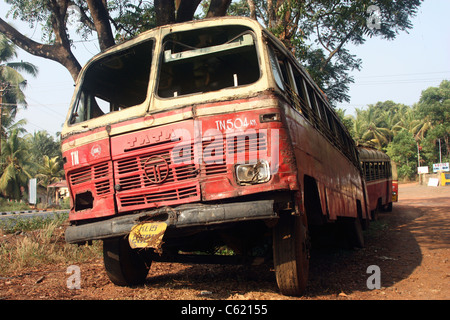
x=418, y=154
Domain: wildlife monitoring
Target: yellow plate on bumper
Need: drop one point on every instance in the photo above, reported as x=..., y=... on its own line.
x=147, y=235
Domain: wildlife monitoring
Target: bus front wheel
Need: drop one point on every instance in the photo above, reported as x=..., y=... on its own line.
x=124, y=266
x=291, y=254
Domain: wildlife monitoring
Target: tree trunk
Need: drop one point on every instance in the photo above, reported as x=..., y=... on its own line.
x=218, y=8
x=56, y=52
x=100, y=16
x=61, y=51
x=165, y=12
x=252, y=7
x=185, y=9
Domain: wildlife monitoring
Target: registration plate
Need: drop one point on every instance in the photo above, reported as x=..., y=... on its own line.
x=147, y=235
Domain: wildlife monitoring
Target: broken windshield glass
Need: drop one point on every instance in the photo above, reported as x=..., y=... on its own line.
x=114, y=82
x=207, y=60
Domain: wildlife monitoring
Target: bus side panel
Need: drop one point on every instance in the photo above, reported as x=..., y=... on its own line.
x=338, y=181
x=373, y=190
x=379, y=190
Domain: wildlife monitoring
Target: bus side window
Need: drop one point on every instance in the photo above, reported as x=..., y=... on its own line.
x=301, y=92
x=276, y=71
x=312, y=100
x=377, y=170
x=321, y=108
x=286, y=71
x=367, y=171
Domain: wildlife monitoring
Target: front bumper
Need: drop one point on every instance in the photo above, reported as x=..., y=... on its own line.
x=188, y=215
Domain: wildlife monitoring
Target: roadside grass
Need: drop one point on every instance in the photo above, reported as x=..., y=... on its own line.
x=6, y=205
x=35, y=242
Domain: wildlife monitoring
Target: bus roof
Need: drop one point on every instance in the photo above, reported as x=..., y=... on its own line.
x=181, y=26
x=370, y=154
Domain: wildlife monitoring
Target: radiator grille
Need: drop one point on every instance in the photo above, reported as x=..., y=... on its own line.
x=154, y=198
x=237, y=148
x=157, y=177
x=100, y=175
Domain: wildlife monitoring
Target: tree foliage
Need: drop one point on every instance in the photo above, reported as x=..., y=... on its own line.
x=21, y=158
x=12, y=82
x=15, y=167
x=49, y=171
x=317, y=32
x=402, y=130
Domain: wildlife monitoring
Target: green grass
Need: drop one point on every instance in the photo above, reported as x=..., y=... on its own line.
x=7, y=206
x=38, y=242
x=18, y=223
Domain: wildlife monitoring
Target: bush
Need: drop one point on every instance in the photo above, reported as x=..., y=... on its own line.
x=405, y=172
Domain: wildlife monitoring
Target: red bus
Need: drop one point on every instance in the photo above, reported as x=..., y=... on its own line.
x=381, y=179
x=202, y=134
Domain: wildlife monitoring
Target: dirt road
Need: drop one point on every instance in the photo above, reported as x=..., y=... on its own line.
x=411, y=247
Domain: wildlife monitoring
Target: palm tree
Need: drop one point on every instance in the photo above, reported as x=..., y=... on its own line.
x=49, y=172
x=359, y=127
x=407, y=119
x=374, y=133
x=11, y=80
x=16, y=167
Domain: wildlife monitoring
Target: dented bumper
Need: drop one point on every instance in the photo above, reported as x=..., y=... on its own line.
x=189, y=215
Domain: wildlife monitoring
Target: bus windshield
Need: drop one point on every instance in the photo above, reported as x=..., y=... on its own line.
x=114, y=82
x=207, y=60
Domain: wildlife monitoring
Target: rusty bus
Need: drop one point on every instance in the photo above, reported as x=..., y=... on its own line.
x=208, y=133
x=381, y=179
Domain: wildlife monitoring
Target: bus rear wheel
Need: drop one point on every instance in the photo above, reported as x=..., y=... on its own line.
x=291, y=254
x=124, y=266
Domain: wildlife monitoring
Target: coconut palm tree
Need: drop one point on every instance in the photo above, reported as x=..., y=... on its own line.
x=50, y=171
x=359, y=127
x=11, y=80
x=15, y=165
x=407, y=119
x=373, y=132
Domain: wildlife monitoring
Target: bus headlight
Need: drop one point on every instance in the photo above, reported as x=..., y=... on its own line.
x=253, y=173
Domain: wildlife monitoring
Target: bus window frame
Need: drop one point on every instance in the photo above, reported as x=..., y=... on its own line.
x=160, y=60
x=277, y=73
x=297, y=77
x=112, y=116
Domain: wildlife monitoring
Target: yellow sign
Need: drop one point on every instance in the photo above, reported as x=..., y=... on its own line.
x=147, y=235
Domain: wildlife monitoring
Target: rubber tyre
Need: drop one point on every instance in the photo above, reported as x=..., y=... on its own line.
x=124, y=266
x=388, y=207
x=291, y=254
x=354, y=232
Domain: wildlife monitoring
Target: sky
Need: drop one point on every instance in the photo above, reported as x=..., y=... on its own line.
x=395, y=70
